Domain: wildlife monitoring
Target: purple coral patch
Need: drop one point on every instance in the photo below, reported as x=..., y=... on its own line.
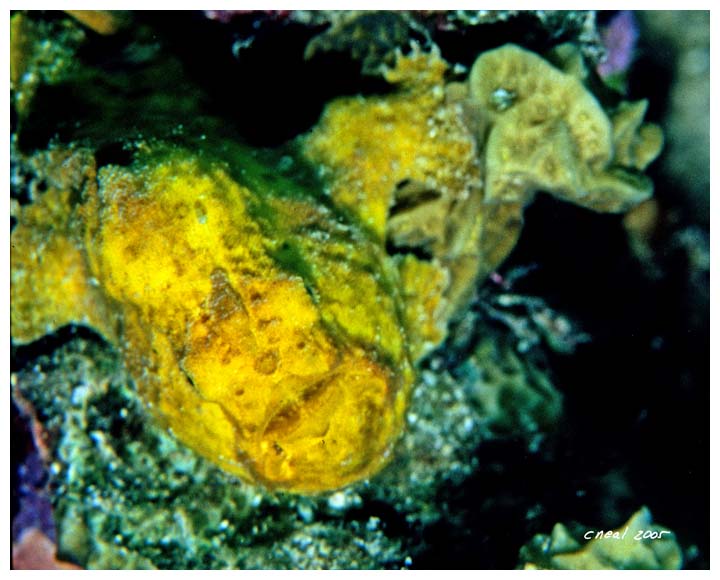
x=34, y=506
x=619, y=37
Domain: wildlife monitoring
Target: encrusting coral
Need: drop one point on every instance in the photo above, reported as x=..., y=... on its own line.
x=273, y=325
x=448, y=169
x=549, y=133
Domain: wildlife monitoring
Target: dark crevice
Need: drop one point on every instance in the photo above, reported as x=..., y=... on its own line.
x=114, y=154
x=21, y=356
x=419, y=252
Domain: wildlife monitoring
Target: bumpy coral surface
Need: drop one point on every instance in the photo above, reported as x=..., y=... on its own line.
x=549, y=133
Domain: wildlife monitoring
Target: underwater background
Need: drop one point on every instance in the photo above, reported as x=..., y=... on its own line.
x=530, y=370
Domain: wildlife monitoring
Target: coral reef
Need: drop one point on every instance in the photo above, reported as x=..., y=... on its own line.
x=639, y=544
x=279, y=334
x=252, y=334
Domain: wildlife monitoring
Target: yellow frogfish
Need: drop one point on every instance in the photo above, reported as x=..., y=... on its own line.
x=273, y=324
